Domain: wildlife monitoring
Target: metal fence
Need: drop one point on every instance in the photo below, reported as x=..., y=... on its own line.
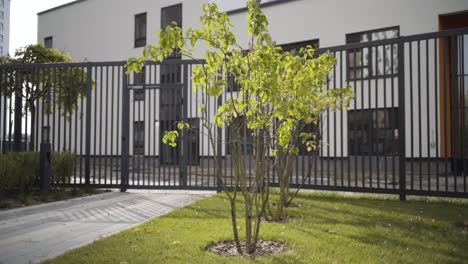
x=406, y=131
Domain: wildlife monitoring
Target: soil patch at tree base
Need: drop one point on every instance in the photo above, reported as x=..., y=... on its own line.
x=264, y=249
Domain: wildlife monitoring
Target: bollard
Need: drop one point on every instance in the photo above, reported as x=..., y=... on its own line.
x=45, y=168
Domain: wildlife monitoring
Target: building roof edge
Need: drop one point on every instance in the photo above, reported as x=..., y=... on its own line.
x=60, y=7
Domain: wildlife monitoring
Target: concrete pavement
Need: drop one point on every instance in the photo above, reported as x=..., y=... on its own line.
x=36, y=233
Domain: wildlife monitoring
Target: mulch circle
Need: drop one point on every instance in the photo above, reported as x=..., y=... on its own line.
x=264, y=248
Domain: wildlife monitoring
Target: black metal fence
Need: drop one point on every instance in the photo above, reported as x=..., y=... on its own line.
x=406, y=131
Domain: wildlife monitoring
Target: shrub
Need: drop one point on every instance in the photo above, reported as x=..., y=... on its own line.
x=19, y=172
x=63, y=167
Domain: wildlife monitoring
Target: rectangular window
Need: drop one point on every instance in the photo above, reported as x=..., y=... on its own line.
x=46, y=134
x=1, y=49
x=233, y=85
x=140, y=30
x=377, y=61
x=373, y=131
x=48, y=42
x=2, y=15
x=1, y=27
x=1, y=38
x=139, y=79
x=139, y=138
x=310, y=128
x=193, y=141
x=169, y=15
x=246, y=137
x=2, y=3
x=296, y=46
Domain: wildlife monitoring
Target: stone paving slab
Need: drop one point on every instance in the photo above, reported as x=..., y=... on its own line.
x=36, y=233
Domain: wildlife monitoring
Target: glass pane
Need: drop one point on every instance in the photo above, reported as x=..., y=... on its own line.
x=171, y=14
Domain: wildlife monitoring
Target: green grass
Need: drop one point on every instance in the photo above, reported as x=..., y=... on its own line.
x=328, y=228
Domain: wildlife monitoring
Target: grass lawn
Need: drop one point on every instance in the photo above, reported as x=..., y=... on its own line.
x=328, y=228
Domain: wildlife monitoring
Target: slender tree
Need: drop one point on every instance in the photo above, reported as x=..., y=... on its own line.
x=288, y=90
x=33, y=85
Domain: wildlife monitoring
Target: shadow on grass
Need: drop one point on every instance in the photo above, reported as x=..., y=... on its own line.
x=422, y=226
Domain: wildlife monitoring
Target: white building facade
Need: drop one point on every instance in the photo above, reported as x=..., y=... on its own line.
x=4, y=27
x=114, y=30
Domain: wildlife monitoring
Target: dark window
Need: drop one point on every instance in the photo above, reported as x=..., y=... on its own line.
x=233, y=85
x=139, y=79
x=193, y=141
x=246, y=137
x=310, y=128
x=140, y=30
x=296, y=46
x=139, y=138
x=373, y=131
x=139, y=94
x=49, y=42
x=377, y=61
x=169, y=15
x=46, y=134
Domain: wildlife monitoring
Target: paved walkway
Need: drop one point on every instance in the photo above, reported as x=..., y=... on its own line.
x=36, y=233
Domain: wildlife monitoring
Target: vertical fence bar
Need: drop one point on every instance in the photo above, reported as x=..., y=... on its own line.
x=436, y=113
x=453, y=109
x=89, y=84
x=428, y=140
x=125, y=132
x=112, y=126
x=184, y=144
x=401, y=119
x=3, y=96
x=462, y=109
x=117, y=138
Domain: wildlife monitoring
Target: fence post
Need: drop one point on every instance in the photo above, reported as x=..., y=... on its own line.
x=45, y=167
x=125, y=132
x=89, y=84
x=18, y=114
x=219, y=147
x=183, y=149
x=401, y=120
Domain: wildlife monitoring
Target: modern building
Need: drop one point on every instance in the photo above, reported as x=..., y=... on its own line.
x=436, y=117
x=4, y=27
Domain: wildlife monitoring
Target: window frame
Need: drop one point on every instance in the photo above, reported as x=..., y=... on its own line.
x=373, y=129
x=315, y=43
x=51, y=39
x=175, y=55
x=233, y=86
x=140, y=41
x=139, y=147
x=370, y=65
x=247, y=139
x=139, y=79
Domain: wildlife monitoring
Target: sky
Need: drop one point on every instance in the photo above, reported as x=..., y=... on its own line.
x=23, y=24
x=23, y=20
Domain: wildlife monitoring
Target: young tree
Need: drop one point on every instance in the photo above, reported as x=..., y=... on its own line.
x=275, y=88
x=30, y=85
